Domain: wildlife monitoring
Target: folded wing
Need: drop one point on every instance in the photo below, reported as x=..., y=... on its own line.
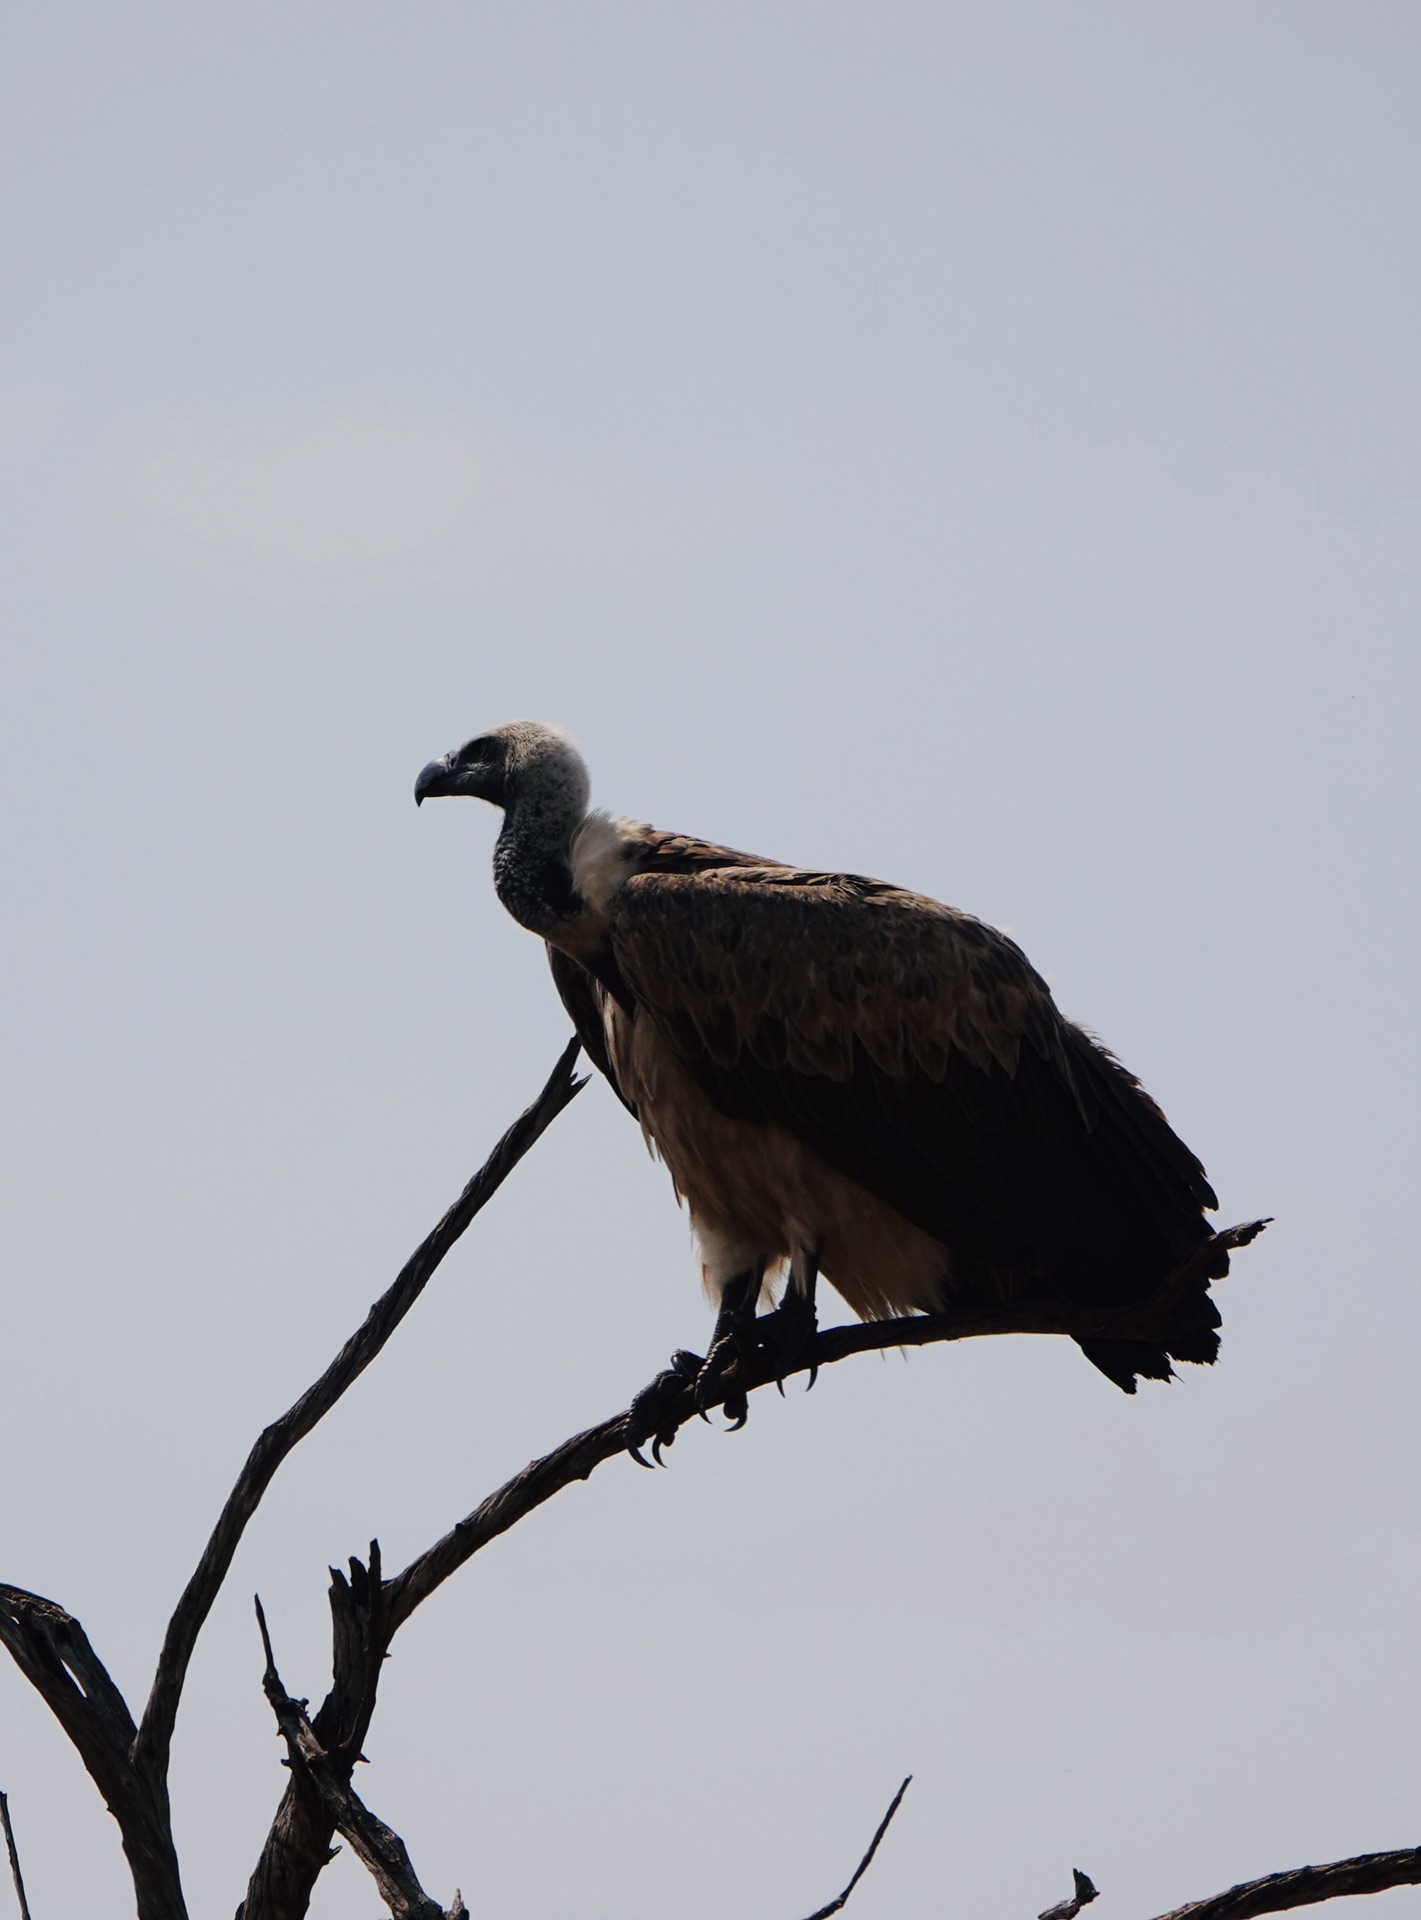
x=919, y=1052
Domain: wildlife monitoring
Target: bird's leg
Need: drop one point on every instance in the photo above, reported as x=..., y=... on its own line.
x=789, y=1331
x=732, y=1344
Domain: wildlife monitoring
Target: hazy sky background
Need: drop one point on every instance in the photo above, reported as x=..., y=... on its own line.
x=975, y=445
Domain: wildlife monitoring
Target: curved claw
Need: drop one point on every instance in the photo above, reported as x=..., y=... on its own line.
x=720, y=1367
x=649, y=1415
x=712, y=1369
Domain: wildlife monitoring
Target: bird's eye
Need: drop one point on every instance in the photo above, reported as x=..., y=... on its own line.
x=477, y=752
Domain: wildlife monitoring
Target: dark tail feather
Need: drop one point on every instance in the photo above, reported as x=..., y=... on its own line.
x=1126, y=1361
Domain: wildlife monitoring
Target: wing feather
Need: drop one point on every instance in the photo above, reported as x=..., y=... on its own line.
x=919, y=1052
x=581, y=994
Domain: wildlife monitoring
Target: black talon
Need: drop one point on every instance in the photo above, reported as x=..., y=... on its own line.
x=648, y=1415
x=789, y=1332
x=733, y=1346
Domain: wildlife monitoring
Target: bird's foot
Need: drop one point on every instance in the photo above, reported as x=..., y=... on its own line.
x=728, y=1359
x=788, y=1335
x=652, y=1413
x=733, y=1349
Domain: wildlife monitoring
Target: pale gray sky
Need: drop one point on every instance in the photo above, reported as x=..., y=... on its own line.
x=975, y=445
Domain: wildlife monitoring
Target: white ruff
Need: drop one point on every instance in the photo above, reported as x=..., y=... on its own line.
x=603, y=852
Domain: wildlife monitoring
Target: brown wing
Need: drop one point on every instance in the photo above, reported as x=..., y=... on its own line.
x=583, y=984
x=921, y=1054
x=581, y=994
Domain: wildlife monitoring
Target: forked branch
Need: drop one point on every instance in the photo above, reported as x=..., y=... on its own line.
x=298, y=1845
x=379, y=1848
x=129, y=1764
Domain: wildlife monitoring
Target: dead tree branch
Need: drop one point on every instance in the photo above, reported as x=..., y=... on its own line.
x=297, y=1846
x=576, y=1458
x=155, y=1734
x=837, y=1906
x=52, y=1650
x=14, y=1853
x=1305, y=1886
x=380, y=1849
x=129, y=1764
x=1085, y=1891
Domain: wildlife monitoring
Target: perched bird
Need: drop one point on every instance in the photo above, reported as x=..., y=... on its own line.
x=843, y=1078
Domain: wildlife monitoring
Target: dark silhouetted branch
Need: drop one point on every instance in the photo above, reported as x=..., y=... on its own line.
x=576, y=1458
x=1086, y=1891
x=14, y=1853
x=155, y=1734
x=1305, y=1886
x=837, y=1906
x=129, y=1764
x=297, y=1846
x=380, y=1849
x=52, y=1650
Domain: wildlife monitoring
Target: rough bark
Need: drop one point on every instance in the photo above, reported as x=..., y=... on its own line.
x=1305, y=1886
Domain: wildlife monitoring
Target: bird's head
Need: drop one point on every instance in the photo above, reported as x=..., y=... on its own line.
x=524, y=764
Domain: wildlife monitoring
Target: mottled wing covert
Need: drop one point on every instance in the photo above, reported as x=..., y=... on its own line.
x=920, y=1053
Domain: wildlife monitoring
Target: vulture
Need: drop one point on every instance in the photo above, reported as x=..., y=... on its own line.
x=843, y=1078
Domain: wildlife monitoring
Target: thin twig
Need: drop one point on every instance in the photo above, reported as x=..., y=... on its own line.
x=13, y=1852
x=156, y=1731
x=836, y=1906
x=1305, y=1886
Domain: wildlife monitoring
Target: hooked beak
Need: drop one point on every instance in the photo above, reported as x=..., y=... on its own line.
x=435, y=779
